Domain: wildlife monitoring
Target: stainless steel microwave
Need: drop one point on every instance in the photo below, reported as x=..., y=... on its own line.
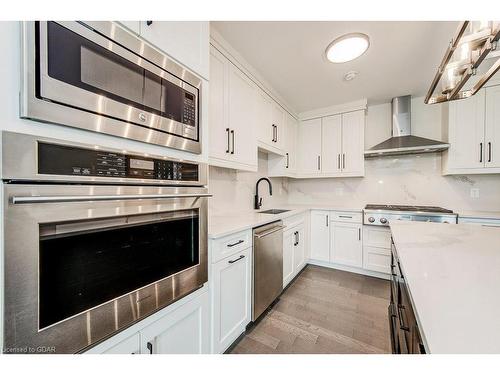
x=98, y=76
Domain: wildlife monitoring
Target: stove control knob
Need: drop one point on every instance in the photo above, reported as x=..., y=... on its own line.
x=383, y=220
x=371, y=219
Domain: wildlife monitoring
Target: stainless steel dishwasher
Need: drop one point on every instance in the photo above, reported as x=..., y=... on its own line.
x=267, y=266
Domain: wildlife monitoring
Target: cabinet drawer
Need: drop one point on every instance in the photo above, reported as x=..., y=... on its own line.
x=347, y=217
x=377, y=236
x=230, y=245
x=377, y=259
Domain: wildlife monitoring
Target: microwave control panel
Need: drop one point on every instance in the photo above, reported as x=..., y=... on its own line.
x=56, y=159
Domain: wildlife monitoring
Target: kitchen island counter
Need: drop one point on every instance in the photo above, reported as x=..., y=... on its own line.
x=453, y=276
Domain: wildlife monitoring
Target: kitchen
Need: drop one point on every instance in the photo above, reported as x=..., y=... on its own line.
x=173, y=187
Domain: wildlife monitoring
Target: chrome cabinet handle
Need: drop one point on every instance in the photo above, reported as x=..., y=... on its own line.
x=343, y=161
x=274, y=133
x=276, y=127
x=227, y=149
x=232, y=136
x=237, y=259
x=359, y=234
x=85, y=198
x=149, y=345
x=327, y=220
x=338, y=161
x=287, y=160
x=236, y=243
x=481, y=152
x=489, y=152
x=298, y=237
x=319, y=162
x=345, y=216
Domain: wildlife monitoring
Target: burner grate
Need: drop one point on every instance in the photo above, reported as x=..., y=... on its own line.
x=389, y=207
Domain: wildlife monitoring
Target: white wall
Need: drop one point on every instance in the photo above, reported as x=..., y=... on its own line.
x=234, y=190
x=411, y=179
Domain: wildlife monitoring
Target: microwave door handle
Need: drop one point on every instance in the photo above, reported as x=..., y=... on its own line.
x=85, y=198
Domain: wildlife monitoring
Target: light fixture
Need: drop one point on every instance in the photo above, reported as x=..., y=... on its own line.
x=347, y=47
x=474, y=43
x=349, y=76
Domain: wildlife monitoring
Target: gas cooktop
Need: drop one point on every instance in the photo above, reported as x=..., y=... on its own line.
x=382, y=214
x=390, y=207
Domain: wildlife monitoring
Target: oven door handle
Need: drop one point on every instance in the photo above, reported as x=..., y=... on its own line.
x=88, y=198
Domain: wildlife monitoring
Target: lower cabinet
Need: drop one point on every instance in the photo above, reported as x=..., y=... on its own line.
x=320, y=235
x=293, y=252
x=346, y=246
x=377, y=249
x=340, y=240
x=181, y=328
x=184, y=331
x=131, y=345
x=231, y=298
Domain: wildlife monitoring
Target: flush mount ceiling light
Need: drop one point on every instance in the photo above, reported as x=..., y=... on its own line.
x=347, y=47
x=475, y=43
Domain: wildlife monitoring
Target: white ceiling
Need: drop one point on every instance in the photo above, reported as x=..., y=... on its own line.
x=402, y=58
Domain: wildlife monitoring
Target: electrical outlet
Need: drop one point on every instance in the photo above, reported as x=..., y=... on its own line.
x=474, y=193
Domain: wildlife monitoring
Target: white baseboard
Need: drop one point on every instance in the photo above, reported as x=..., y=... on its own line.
x=360, y=271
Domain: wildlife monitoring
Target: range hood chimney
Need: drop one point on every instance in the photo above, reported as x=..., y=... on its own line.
x=402, y=142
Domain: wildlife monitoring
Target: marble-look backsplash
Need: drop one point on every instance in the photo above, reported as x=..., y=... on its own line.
x=410, y=179
x=234, y=190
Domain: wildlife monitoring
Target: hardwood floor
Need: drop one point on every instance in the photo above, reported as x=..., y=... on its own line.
x=324, y=311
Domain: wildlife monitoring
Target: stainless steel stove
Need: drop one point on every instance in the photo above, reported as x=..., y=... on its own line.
x=379, y=214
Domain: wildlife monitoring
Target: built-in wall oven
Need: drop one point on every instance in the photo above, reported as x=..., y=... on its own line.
x=95, y=240
x=100, y=77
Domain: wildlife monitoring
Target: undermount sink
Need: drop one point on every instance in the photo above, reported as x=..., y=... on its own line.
x=273, y=211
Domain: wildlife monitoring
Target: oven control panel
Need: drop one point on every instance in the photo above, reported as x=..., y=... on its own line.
x=57, y=159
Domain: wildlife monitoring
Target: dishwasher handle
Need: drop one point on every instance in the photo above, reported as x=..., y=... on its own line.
x=270, y=231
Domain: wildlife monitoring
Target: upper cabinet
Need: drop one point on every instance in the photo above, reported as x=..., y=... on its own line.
x=286, y=165
x=185, y=41
x=474, y=134
x=231, y=116
x=309, y=148
x=332, y=146
x=270, y=124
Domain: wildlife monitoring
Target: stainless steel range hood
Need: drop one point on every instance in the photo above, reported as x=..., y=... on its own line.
x=402, y=141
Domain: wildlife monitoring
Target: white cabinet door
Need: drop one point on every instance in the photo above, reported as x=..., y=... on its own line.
x=241, y=120
x=264, y=118
x=278, y=120
x=131, y=345
x=299, y=249
x=231, y=299
x=291, y=144
x=289, y=242
x=377, y=259
x=331, y=140
x=185, y=330
x=466, y=132
x=185, y=41
x=219, y=131
x=309, y=147
x=353, y=143
x=320, y=235
x=346, y=245
x=492, y=128
x=134, y=26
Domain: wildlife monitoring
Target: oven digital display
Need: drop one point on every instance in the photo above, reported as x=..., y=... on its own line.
x=142, y=164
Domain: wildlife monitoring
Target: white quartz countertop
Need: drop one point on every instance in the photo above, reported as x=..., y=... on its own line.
x=495, y=215
x=453, y=276
x=223, y=224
